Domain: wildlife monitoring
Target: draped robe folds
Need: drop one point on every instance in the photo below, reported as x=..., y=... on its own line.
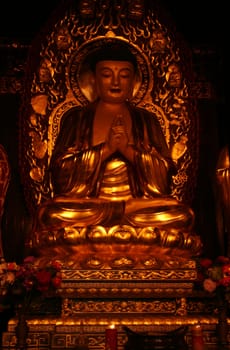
x=77, y=174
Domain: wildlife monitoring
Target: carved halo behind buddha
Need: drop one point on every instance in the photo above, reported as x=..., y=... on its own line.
x=63, y=81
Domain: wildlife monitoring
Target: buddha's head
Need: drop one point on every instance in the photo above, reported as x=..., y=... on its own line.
x=114, y=68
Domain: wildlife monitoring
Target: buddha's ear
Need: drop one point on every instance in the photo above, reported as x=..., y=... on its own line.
x=87, y=83
x=94, y=87
x=136, y=83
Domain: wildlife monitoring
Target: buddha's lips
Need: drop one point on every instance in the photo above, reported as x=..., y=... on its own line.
x=115, y=90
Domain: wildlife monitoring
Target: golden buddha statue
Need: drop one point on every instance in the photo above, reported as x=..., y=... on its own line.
x=111, y=172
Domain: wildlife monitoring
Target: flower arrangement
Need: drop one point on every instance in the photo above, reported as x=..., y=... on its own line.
x=22, y=282
x=214, y=275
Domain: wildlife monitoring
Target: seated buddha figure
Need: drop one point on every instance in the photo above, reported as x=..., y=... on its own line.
x=111, y=164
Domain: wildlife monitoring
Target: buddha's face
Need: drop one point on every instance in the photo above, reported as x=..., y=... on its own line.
x=114, y=80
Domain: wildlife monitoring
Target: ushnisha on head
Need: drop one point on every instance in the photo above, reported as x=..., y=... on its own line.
x=113, y=52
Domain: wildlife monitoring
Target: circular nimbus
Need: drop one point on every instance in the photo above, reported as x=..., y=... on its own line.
x=80, y=74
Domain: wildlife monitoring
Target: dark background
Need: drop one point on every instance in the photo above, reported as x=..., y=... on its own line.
x=203, y=26
x=200, y=21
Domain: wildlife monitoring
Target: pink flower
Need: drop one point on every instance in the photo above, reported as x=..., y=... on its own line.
x=29, y=260
x=209, y=285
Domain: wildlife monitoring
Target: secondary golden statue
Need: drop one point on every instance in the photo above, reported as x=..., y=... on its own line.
x=111, y=164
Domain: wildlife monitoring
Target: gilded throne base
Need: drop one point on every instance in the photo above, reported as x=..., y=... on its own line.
x=150, y=301
x=128, y=280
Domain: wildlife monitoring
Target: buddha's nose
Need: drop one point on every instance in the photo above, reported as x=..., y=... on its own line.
x=116, y=80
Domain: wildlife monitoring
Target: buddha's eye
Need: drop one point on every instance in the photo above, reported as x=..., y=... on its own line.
x=106, y=73
x=125, y=73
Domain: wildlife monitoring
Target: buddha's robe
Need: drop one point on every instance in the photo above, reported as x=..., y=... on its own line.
x=91, y=191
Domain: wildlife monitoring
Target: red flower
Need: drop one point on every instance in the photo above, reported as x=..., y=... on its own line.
x=56, y=282
x=226, y=270
x=223, y=260
x=25, y=280
x=206, y=263
x=225, y=282
x=11, y=266
x=44, y=280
